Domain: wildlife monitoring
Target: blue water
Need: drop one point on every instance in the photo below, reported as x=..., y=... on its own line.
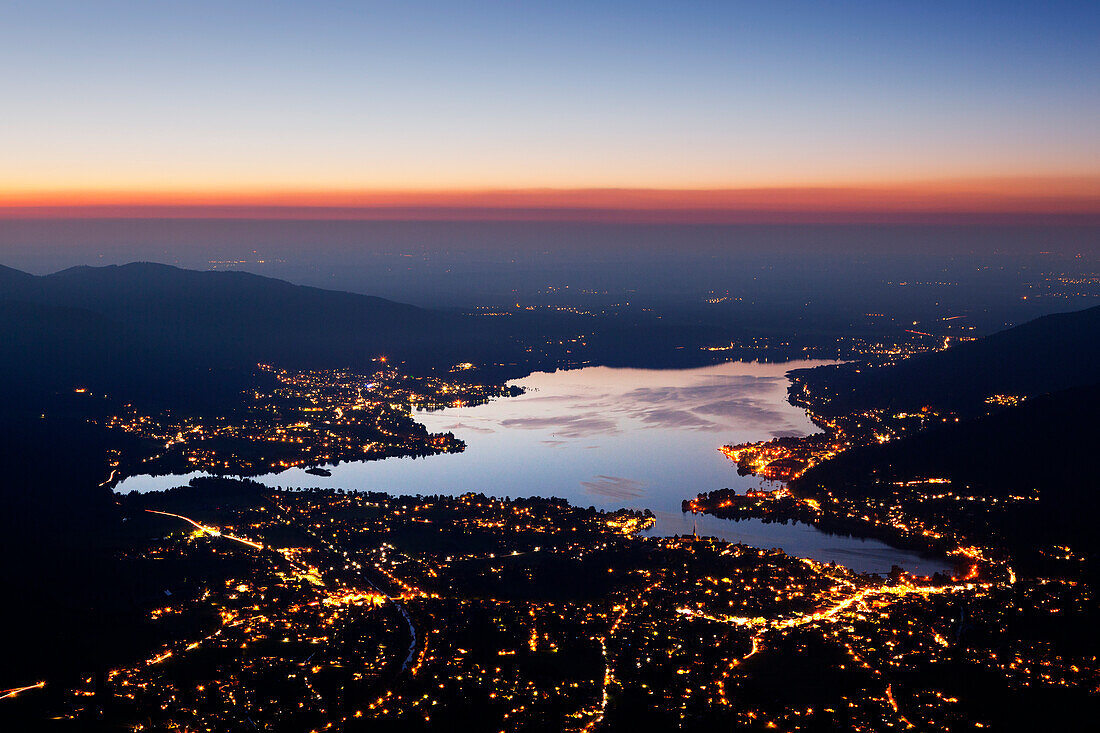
x=614, y=438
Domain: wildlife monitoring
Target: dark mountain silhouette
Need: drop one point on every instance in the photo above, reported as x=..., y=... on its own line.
x=231, y=315
x=1048, y=354
x=146, y=330
x=1045, y=447
x=10, y=277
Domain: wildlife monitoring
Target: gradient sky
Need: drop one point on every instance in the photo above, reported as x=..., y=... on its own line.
x=138, y=102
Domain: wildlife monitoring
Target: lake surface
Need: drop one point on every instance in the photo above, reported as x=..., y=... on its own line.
x=614, y=438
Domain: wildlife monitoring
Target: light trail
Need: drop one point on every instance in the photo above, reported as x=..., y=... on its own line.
x=830, y=613
x=395, y=601
x=734, y=664
x=212, y=531
x=608, y=679
x=763, y=625
x=608, y=667
x=894, y=706
x=16, y=690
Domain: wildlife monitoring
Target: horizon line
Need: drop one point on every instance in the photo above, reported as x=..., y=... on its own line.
x=700, y=217
x=1015, y=199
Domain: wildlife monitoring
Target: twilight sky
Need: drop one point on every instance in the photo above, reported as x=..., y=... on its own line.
x=960, y=105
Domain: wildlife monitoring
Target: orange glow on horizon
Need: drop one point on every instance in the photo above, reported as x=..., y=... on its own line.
x=1006, y=196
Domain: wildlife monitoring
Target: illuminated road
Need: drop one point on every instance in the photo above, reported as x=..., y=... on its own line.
x=212, y=531
x=832, y=612
x=396, y=601
x=624, y=610
x=16, y=690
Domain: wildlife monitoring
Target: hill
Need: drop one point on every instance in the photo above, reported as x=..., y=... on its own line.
x=1049, y=354
x=147, y=331
x=1041, y=450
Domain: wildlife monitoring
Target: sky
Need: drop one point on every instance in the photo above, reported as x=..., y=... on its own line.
x=251, y=108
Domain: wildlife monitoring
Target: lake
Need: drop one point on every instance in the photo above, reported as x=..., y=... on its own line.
x=611, y=438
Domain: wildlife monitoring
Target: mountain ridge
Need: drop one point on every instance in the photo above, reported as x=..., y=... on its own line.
x=147, y=329
x=1050, y=353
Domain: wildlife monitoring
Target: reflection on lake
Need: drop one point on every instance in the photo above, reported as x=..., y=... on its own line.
x=611, y=438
